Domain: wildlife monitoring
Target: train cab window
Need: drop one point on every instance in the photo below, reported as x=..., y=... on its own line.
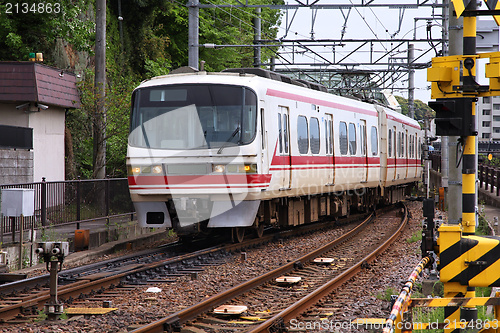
x=374, y=137
x=352, y=139
x=280, y=134
x=193, y=116
x=314, y=135
x=389, y=137
x=302, y=135
x=343, y=138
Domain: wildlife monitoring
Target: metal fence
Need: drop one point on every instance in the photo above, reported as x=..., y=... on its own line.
x=73, y=202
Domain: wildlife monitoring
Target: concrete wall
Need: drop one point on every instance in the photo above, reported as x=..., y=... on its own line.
x=16, y=166
x=48, y=139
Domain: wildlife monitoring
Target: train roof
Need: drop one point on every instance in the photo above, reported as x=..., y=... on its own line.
x=259, y=72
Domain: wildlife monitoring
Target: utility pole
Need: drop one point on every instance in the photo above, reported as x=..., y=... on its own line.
x=445, y=149
x=100, y=92
x=193, y=32
x=257, y=37
x=411, y=81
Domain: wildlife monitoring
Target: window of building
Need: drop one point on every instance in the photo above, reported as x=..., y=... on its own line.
x=496, y=129
x=486, y=112
x=486, y=124
x=302, y=135
x=352, y=139
x=374, y=136
x=314, y=135
x=496, y=106
x=486, y=99
x=485, y=136
x=343, y=138
x=496, y=118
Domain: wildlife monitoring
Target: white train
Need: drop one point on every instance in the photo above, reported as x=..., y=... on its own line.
x=248, y=147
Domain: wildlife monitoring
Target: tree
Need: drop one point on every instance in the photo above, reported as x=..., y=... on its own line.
x=421, y=109
x=153, y=41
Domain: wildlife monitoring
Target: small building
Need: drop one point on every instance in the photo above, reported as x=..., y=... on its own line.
x=33, y=102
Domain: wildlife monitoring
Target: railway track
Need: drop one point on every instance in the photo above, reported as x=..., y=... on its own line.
x=267, y=306
x=21, y=301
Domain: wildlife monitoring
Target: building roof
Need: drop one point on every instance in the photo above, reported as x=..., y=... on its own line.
x=35, y=82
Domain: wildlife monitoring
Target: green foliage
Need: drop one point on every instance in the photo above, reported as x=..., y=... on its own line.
x=42, y=316
x=421, y=109
x=30, y=28
x=386, y=295
x=151, y=40
x=483, y=227
x=416, y=237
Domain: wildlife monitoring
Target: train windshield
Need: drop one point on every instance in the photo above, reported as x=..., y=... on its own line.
x=193, y=116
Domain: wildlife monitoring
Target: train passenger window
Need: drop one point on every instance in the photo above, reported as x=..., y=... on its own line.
x=330, y=136
x=314, y=133
x=390, y=142
x=362, y=135
x=374, y=141
x=343, y=138
x=285, y=132
x=394, y=141
x=262, y=129
x=352, y=139
x=302, y=135
x=399, y=144
x=411, y=146
x=280, y=140
x=327, y=146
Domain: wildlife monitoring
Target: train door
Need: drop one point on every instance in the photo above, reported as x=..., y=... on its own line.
x=397, y=147
x=364, y=151
x=329, y=148
x=284, y=147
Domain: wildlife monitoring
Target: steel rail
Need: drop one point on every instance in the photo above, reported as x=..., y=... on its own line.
x=176, y=319
x=87, y=285
x=303, y=304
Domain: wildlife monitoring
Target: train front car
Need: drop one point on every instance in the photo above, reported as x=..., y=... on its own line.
x=193, y=153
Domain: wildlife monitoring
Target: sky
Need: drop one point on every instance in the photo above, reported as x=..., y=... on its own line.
x=368, y=23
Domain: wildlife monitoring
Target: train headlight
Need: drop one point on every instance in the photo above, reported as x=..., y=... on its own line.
x=241, y=168
x=157, y=169
x=134, y=170
x=218, y=168
x=250, y=168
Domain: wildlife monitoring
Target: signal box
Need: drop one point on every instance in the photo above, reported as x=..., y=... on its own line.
x=454, y=116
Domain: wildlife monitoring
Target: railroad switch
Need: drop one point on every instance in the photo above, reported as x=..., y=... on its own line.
x=53, y=254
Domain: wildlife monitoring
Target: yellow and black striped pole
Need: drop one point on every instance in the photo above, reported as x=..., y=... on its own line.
x=469, y=196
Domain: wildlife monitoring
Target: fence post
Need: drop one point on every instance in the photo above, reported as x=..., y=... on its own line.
x=497, y=182
x=78, y=205
x=480, y=175
x=492, y=180
x=43, y=202
x=487, y=178
x=107, y=198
